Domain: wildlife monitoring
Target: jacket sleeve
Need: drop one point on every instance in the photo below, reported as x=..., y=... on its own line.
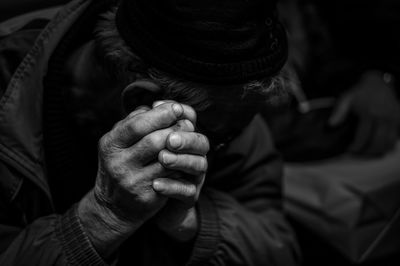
x=27, y=235
x=47, y=240
x=242, y=222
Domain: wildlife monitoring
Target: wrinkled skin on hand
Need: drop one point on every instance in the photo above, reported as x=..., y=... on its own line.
x=147, y=158
x=128, y=162
x=142, y=152
x=377, y=109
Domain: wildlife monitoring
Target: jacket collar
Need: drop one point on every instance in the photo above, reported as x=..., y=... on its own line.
x=21, y=138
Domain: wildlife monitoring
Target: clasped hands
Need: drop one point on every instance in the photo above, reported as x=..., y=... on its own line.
x=152, y=166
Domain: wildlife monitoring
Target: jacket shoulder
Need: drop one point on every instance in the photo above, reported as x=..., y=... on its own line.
x=13, y=49
x=17, y=36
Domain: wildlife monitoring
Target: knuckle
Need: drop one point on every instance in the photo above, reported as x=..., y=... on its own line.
x=134, y=125
x=165, y=109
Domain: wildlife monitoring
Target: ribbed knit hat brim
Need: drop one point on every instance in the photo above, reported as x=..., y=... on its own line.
x=209, y=41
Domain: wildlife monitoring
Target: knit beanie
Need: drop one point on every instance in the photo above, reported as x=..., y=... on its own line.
x=209, y=41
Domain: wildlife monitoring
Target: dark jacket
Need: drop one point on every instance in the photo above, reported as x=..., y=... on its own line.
x=240, y=212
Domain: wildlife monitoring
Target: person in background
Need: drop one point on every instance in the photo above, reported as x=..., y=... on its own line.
x=343, y=75
x=339, y=135
x=129, y=135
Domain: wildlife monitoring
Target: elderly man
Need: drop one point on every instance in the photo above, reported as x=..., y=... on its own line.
x=106, y=120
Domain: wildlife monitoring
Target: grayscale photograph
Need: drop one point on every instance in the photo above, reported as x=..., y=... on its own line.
x=199, y=132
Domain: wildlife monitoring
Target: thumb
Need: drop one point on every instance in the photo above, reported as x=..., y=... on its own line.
x=340, y=111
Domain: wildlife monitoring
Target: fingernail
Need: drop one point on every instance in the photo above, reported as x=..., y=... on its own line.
x=157, y=185
x=175, y=141
x=178, y=110
x=169, y=158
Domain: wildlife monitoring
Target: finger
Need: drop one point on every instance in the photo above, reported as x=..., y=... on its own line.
x=340, y=112
x=151, y=172
x=181, y=190
x=188, y=142
x=188, y=110
x=190, y=164
x=363, y=133
x=158, y=103
x=141, y=109
x=148, y=148
x=147, y=175
x=133, y=128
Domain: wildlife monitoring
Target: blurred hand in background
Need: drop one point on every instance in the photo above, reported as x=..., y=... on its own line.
x=374, y=103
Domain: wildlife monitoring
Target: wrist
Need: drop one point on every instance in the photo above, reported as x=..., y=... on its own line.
x=105, y=229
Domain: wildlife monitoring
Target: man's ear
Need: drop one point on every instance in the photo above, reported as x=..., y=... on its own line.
x=140, y=92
